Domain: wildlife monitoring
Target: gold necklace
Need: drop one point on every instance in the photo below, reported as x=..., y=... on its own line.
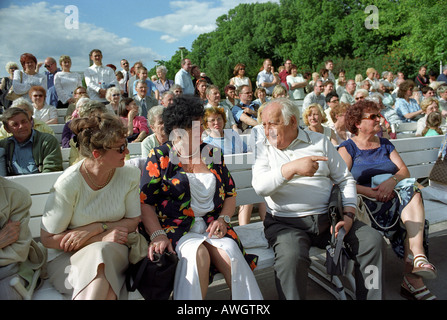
x=93, y=182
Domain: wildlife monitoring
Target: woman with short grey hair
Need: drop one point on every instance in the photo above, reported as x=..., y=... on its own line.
x=113, y=95
x=158, y=136
x=6, y=84
x=162, y=83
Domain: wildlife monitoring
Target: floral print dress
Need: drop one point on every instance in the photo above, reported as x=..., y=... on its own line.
x=165, y=186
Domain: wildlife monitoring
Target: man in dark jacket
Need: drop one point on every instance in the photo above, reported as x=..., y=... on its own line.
x=28, y=151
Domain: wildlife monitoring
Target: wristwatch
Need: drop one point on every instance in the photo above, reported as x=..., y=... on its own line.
x=226, y=218
x=349, y=214
x=104, y=227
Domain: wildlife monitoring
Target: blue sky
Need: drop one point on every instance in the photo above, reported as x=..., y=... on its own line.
x=135, y=29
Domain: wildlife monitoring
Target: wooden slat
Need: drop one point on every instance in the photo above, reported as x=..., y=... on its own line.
x=37, y=183
x=134, y=149
x=238, y=162
x=417, y=143
x=247, y=196
x=34, y=225
x=417, y=157
x=38, y=204
x=62, y=112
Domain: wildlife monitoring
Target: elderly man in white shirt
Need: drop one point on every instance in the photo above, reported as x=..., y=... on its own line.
x=99, y=78
x=183, y=77
x=295, y=171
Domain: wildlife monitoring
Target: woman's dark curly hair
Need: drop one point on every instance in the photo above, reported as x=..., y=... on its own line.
x=182, y=112
x=354, y=114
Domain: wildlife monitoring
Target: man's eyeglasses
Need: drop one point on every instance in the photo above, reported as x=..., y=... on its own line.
x=121, y=149
x=372, y=116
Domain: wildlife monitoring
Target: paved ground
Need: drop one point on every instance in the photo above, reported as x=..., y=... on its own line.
x=392, y=276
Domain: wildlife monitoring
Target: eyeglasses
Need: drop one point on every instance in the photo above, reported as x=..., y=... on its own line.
x=116, y=95
x=246, y=92
x=215, y=120
x=121, y=149
x=359, y=98
x=37, y=95
x=372, y=117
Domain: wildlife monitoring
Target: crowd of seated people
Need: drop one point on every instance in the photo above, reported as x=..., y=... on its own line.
x=185, y=206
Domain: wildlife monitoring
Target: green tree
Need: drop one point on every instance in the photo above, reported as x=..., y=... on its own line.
x=410, y=33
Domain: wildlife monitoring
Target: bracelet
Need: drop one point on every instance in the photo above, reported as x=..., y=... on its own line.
x=157, y=233
x=349, y=214
x=395, y=179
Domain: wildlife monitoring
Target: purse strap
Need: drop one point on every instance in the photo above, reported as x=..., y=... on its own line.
x=339, y=245
x=371, y=215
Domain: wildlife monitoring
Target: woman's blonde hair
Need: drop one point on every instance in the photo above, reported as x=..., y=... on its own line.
x=279, y=90
x=307, y=112
x=427, y=102
x=64, y=58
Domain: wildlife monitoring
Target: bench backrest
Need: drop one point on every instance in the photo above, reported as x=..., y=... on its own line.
x=61, y=113
x=418, y=153
x=405, y=129
x=58, y=129
x=39, y=186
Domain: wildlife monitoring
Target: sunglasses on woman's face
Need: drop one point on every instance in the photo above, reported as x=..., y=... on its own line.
x=121, y=149
x=372, y=116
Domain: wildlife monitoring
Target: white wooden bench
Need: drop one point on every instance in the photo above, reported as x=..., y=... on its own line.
x=58, y=129
x=419, y=153
x=405, y=129
x=61, y=113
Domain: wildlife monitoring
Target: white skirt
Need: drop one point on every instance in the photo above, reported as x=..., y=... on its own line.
x=187, y=285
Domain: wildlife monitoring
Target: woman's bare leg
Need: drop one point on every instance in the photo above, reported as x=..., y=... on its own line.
x=98, y=289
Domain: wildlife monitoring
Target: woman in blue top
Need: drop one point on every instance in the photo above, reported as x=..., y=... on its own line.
x=228, y=140
x=407, y=108
x=367, y=156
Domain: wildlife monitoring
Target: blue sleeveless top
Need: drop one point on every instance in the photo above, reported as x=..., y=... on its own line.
x=371, y=162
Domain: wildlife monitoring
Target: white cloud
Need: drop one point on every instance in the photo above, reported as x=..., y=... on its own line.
x=191, y=17
x=40, y=29
x=168, y=38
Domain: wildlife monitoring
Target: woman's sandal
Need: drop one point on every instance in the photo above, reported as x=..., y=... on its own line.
x=423, y=268
x=411, y=293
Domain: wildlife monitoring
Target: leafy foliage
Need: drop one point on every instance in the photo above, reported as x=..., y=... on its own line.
x=410, y=33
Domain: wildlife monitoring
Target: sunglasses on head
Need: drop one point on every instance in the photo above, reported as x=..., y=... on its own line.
x=372, y=116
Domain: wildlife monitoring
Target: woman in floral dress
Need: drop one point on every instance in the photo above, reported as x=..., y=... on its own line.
x=188, y=198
